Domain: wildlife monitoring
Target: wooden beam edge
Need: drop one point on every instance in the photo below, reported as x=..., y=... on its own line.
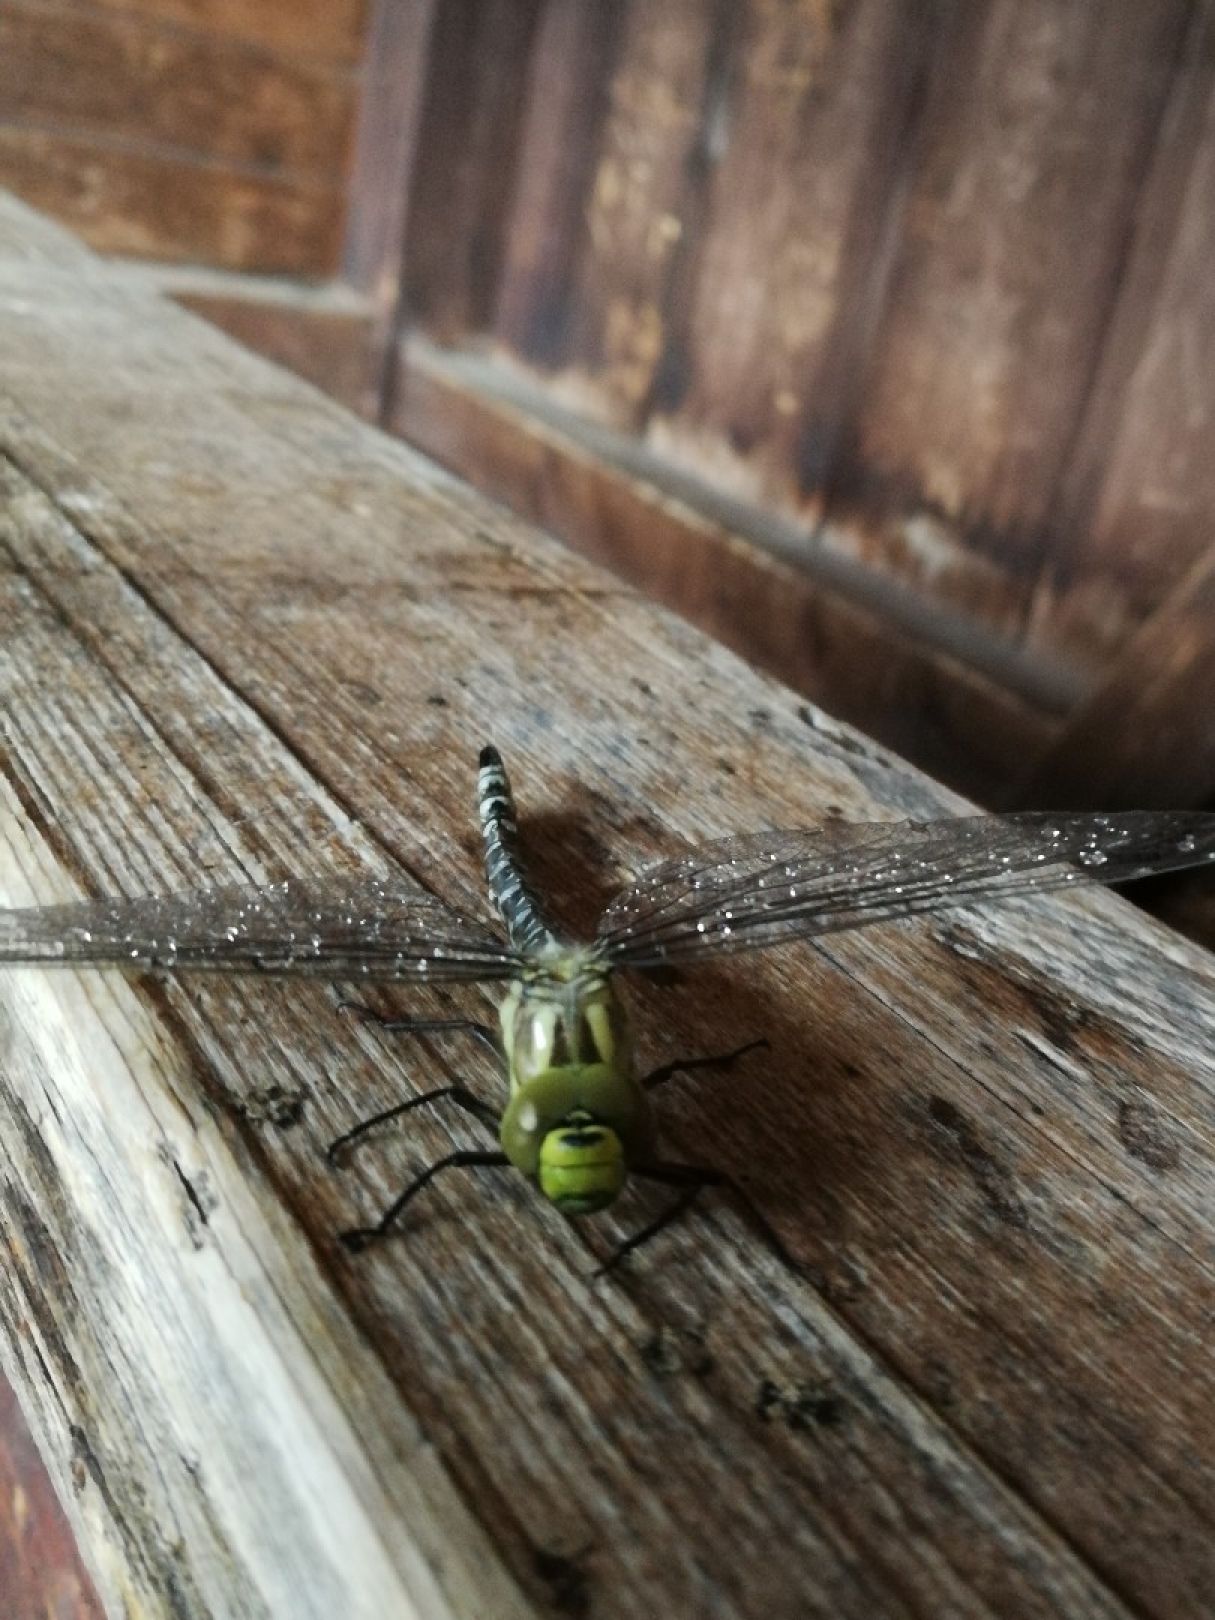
x=241, y=1329
x=847, y=654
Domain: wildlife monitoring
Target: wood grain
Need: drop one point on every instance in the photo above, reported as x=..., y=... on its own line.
x=731, y=570
x=1039, y=126
x=1133, y=513
x=390, y=105
x=927, y=281
x=812, y=144
x=569, y=73
x=246, y=634
x=331, y=29
x=149, y=205
x=647, y=171
x=464, y=171
x=115, y=79
x=396, y=61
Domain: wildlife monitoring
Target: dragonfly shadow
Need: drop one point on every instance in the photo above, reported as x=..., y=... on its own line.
x=571, y=868
x=791, y=1124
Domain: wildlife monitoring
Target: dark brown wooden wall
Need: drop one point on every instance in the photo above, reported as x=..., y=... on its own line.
x=936, y=273
x=215, y=131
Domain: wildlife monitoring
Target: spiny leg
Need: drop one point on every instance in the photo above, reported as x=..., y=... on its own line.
x=720, y=1060
x=360, y=1237
x=425, y=1026
x=693, y=1179
x=460, y=1095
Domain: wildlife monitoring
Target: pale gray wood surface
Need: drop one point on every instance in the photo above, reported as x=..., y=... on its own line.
x=245, y=635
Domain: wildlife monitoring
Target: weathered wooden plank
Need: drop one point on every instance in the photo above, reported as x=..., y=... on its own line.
x=390, y=109
x=227, y=607
x=647, y=171
x=568, y=78
x=114, y=78
x=152, y=206
x=731, y=570
x=808, y=151
x=523, y=1501
x=1133, y=514
x=461, y=189
x=323, y=28
x=1038, y=129
x=136, y=1471
x=393, y=85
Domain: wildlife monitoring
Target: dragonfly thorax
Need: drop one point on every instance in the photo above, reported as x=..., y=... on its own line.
x=563, y=1011
x=577, y=1117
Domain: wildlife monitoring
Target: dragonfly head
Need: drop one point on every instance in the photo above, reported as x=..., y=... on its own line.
x=582, y=1165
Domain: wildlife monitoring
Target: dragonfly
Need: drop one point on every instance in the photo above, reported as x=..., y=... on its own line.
x=578, y=1120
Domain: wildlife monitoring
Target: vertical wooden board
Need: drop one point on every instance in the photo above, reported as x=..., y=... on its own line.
x=1040, y=123
x=151, y=86
x=646, y=177
x=1135, y=506
x=377, y=211
x=571, y=66
x=467, y=154
x=808, y=148
x=330, y=29
x=154, y=207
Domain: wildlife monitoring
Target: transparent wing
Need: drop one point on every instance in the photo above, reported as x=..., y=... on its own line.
x=371, y=929
x=750, y=892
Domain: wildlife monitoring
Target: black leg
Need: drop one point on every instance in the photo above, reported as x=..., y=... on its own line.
x=692, y=1179
x=622, y=1251
x=460, y=1095
x=361, y=1236
x=722, y=1060
x=425, y=1026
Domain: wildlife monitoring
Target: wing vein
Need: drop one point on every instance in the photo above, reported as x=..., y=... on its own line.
x=764, y=889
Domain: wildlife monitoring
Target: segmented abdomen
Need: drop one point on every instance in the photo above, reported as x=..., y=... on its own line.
x=508, y=887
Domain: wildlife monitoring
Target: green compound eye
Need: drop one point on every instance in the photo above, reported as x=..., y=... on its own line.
x=581, y=1168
